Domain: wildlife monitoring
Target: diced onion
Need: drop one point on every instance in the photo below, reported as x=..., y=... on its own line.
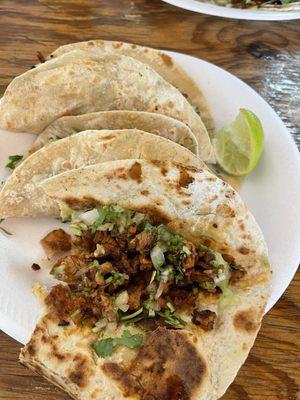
x=99, y=325
x=89, y=217
x=157, y=257
x=166, y=273
x=111, y=327
x=100, y=250
x=109, y=226
x=122, y=300
x=160, y=289
x=138, y=218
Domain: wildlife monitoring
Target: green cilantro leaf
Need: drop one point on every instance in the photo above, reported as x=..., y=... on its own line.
x=13, y=161
x=129, y=340
x=171, y=319
x=104, y=347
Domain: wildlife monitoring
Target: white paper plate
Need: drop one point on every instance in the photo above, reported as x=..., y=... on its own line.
x=272, y=193
x=230, y=12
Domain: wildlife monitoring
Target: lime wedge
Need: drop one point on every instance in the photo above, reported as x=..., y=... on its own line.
x=239, y=146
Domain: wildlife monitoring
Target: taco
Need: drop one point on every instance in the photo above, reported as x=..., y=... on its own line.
x=80, y=82
x=157, y=124
x=162, y=292
x=161, y=62
x=22, y=195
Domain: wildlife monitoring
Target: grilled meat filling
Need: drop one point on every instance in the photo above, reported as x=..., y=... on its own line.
x=134, y=271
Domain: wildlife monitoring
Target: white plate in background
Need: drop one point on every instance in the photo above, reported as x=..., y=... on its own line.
x=271, y=191
x=237, y=13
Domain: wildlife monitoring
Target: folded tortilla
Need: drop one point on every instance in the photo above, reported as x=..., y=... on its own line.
x=22, y=196
x=186, y=363
x=157, y=124
x=161, y=62
x=80, y=82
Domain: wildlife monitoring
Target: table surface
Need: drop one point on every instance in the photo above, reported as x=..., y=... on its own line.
x=266, y=55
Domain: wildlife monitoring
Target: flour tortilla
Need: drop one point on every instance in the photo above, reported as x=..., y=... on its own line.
x=205, y=363
x=80, y=82
x=22, y=196
x=162, y=63
x=157, y=124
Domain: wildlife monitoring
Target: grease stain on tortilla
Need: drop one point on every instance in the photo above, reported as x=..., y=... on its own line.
x=244, y=250
x=225, y=211
x=167, y=60
x=167, y=367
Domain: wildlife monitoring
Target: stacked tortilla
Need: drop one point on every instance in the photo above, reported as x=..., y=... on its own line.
x=120, y=124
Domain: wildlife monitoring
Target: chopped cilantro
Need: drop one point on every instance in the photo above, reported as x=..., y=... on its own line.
x=116, y=278
x=13, y=161
x=129, y=340
x=106, y=347
x=170, y=318
x=132, y=315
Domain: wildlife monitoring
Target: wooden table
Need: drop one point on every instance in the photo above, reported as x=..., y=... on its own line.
x=264, y=54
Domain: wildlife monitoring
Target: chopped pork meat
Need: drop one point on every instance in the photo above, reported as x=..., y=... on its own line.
x=56, y=243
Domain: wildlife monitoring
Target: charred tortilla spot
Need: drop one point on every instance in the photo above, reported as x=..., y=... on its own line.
x=156, y=162
x=120, y=375
x=57, y=355
x=31, y=349
x=135, y=172
x=167, y=60
x=245, y=320
x=117, y=45
x=184, y=179
x=215, y=225
x=229, y=193
x=210, y=179
x=156, y=213
x=244, y=250
x=188, y=167
x=80, y=371
x=145, y=192
x=176, y=388
x=81, y=204
x=225, y=211
x=164, y=171
x=166, y=367
x=44, y=338
x=108, y=137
